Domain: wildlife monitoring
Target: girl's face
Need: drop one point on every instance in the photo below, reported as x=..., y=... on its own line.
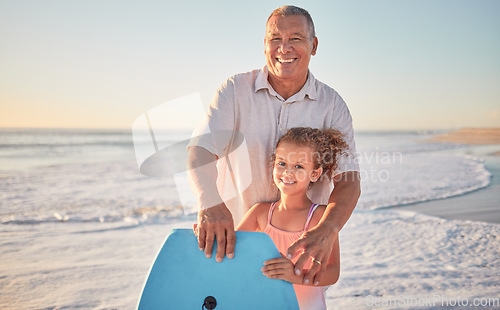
x=294, y=168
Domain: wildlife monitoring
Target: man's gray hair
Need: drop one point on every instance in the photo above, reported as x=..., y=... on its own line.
x=289, y=10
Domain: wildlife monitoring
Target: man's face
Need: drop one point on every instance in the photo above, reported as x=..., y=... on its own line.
x=289, y=48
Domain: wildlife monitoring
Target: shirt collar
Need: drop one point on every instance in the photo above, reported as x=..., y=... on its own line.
x=308, y=89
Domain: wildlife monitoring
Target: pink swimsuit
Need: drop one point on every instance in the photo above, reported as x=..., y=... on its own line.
x=309, y=297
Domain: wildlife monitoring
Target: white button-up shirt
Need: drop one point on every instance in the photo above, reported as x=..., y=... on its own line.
x=256, y=116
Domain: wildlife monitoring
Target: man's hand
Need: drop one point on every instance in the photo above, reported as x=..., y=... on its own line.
x=216, y=223
x=317, y=244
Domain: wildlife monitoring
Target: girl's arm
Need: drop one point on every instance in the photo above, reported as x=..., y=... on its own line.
x=254, y=218
x=282, y=268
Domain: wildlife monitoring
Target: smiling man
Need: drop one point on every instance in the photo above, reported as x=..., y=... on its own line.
x=260, y=106
x=290, y=43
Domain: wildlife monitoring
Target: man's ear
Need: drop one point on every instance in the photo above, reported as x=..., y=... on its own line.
x=315, y=46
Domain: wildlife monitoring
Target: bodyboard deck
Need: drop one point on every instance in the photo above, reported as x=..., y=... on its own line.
x=182, y=277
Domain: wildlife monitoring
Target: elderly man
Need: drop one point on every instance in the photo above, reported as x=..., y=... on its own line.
x=260, y=106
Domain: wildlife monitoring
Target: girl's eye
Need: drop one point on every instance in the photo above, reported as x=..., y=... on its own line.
x=298, y=167
x=280, y=163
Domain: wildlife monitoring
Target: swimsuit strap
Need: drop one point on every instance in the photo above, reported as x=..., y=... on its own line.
x=271, y=209
x=309, y=216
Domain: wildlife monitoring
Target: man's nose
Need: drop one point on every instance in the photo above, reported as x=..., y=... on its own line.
x=285, y=47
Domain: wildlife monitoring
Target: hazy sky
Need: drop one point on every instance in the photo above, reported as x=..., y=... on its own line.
x=422, y=64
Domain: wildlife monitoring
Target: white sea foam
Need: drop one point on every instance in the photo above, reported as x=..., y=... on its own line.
x=92, y=192
x=416, y=177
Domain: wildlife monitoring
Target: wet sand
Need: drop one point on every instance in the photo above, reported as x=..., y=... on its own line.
x=480, y=205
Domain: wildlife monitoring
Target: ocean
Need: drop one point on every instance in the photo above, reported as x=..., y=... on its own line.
x=51, y=175
x=80, y=225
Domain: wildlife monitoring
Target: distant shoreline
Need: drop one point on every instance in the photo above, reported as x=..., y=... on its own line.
x=470, y=136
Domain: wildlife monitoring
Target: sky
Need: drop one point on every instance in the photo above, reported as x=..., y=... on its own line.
x=398, y=64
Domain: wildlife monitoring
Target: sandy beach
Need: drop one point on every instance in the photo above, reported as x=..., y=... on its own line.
x=50, y=267
x=390, y=260
x=83, y=235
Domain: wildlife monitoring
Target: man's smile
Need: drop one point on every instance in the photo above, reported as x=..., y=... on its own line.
x=281, y=60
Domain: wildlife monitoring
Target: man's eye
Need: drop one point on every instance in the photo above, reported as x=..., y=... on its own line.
x=295, y=39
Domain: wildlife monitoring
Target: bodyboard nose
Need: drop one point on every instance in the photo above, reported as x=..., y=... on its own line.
x=181, y=277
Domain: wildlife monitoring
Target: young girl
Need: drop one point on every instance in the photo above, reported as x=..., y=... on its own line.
x=303, y=156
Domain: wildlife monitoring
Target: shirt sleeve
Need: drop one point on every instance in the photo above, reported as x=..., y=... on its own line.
x=343, y=122
x=215, y=131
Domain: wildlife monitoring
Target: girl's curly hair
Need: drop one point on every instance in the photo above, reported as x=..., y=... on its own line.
x=327, y=146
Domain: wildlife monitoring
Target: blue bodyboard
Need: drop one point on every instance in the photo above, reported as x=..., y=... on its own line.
x=182, y=277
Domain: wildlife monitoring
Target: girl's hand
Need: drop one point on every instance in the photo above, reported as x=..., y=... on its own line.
x=281, y=268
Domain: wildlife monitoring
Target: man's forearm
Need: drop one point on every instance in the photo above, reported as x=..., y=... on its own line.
x=215, y=222
x=202, y=176
x=342, y=202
